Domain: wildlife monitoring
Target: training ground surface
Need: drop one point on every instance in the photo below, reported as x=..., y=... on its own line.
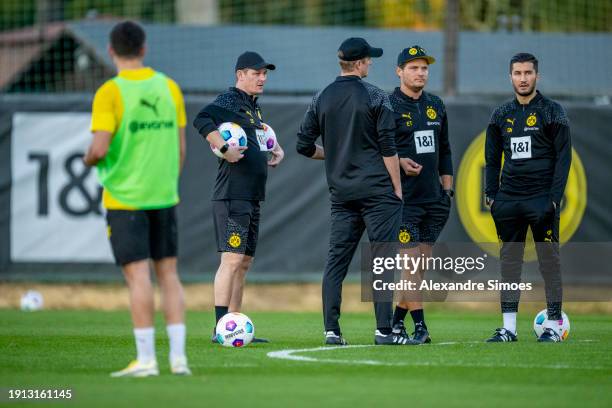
x=78, y=349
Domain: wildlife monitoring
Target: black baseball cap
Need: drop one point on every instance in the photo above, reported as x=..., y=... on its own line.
x=412, y=53
x=354, y=48
x=253, y=60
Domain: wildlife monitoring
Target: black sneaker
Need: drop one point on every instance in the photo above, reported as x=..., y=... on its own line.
x=421, y=334
x=549, y=336
x=393, y=339
x=213, y=339
x=502, y=335
x=334, y=339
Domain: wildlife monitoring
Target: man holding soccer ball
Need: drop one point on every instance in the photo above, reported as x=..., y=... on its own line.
x=533, y=135
x=241, y=178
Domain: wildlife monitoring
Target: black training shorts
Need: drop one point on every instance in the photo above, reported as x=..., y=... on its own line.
x=136, y=235
x=236, y=225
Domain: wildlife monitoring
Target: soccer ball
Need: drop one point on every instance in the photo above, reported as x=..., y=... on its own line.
x=31, y=300
x=538, y=324
x=233, y=135
x=235, y=330
x=269, y=137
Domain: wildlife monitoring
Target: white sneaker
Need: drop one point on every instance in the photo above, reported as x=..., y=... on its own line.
x=178, y=366
x=138, y=369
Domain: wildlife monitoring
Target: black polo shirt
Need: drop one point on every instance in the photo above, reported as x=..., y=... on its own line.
x=245, y=179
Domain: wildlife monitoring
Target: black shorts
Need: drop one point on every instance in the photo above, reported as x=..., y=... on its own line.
x=423, y=222
x=136, y=235
x=236, y=225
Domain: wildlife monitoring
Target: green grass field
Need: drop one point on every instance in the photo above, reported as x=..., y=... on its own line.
x=78, y=349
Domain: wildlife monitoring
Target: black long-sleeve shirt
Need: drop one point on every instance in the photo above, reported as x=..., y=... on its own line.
x=355, y=122
x=245, y=179
x=537, y=149
x=422, y=135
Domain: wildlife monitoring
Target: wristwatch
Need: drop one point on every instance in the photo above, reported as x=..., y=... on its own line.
x=450, y=192
x=224, y=148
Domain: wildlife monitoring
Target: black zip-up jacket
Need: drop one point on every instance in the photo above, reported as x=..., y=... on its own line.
x=245, y=179
x=422, y=135
x=536, y=144
x=355, y=122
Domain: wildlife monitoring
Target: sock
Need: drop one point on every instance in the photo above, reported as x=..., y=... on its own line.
x=145, y=344
x=510, y=321
x=220, y=311
x=418, y=317
x=384, y=330
x=553, y=310
x=176, y=334
x=399, y=315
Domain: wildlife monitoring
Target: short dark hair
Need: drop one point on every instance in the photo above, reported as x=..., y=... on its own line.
x=524, y=57
x=127, y=39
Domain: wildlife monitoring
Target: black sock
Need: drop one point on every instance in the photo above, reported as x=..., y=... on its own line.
x=418, y=317
x=384, y=330
x=220, y=311
x=554, y=310
x=399, y=315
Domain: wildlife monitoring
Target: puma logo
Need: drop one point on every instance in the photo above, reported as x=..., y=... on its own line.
x=152, y=106
x=511, y=121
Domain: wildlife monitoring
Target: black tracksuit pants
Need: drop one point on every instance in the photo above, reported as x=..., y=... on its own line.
x=381, y=216
x=512, y=218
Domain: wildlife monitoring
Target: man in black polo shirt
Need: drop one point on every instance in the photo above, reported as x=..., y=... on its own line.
x=241, y=178
x=355, y=122
x=427, y=179
x=532, y=132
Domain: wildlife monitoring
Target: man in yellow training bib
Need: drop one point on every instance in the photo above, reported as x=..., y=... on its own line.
x=138, y=126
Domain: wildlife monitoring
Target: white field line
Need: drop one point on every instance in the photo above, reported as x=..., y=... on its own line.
x=292, y=355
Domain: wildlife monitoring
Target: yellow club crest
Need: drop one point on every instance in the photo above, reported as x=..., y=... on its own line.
x=234, y=240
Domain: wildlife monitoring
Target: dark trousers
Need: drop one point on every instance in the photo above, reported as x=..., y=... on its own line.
x=381, y=216
x=512, y=218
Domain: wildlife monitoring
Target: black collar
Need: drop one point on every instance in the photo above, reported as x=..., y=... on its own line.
x=348, y=78
x=398, y=93
x=537, y=98
x=250, y=99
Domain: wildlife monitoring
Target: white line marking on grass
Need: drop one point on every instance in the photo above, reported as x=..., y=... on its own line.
x=292, y=356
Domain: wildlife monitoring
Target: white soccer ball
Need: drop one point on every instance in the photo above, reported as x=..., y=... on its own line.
x=540, y=320
x=233, y=135
x=32, y=300
x=269, y=137
x=235, y=330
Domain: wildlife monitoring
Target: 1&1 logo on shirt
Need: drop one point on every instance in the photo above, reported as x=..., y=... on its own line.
x=424, y=141
x=521, y=147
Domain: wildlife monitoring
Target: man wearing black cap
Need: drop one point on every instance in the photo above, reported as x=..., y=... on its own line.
x=531, y=132
x=241, y=178
x=355, y=122
x=425, y=158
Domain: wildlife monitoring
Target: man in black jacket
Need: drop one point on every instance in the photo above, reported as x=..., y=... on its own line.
x=532, y=132
x=427, y=179
x=355, y=122
x=241, y=179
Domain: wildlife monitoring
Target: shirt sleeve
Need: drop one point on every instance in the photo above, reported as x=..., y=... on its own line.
x=177, y=96
x=494, y=147
x=204, y=122
x=445, y=165
x=385, y=126
x=104, y=109
x=309, y=130
x=560, y=132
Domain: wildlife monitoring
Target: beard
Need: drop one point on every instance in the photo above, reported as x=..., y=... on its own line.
x=528, y=92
